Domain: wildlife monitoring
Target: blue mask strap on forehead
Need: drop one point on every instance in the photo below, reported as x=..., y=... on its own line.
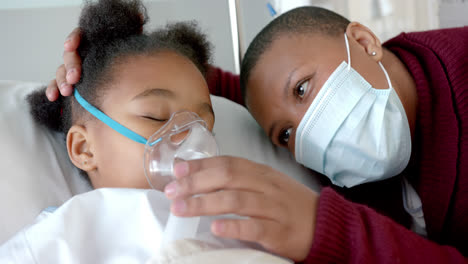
x=108, y=121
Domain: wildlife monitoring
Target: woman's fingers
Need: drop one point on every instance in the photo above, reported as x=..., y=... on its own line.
x=59, y=85
x=71, y=59
x=273, y=236
x=212, y=174
x=266, y=232
x=73, y=40
x=185, y=168
x=68, y=73
x=281, y=212
x=246, y=203
x=64, y=87
x=52, y=91
x=72, y=63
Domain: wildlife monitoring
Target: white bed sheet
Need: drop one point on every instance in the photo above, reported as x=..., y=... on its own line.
x=120, y=226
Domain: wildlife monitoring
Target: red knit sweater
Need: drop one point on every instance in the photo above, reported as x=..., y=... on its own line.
x=348, y=232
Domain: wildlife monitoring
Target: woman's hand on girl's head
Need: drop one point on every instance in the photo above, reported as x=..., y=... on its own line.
x=281, y=212
x=68, y=73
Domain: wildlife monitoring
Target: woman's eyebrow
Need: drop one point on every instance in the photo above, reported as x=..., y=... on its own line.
x=155, y=92
x=288, y=82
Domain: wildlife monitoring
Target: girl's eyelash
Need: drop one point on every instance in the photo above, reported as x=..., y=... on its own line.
x=155, y=119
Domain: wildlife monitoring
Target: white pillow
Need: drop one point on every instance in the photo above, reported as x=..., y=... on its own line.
x=36, y=172
x=35, y=169
x=238, y=134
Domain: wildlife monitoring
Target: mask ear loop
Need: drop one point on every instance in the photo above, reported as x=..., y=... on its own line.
x=347, y=51
x=386, y=75
x=380, y=64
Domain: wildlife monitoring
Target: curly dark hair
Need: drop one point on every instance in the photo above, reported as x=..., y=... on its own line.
x=111, y=31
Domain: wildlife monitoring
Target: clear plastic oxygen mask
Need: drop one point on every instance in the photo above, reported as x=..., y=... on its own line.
x=184, y=137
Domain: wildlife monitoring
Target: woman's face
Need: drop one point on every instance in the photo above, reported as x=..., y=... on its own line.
x=291, y=72
x=145, y=91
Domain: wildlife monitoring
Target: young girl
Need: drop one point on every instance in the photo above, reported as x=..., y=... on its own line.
x=137, y=79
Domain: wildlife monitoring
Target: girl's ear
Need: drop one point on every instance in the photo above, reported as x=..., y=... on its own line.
x=366, y=38
x=80, y=148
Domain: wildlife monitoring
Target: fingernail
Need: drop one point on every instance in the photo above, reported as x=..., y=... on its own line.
x=70, y=72
x=179, y=207
x=218, y=227
x=181, y=169
x=66, y=42
x=66, y=90
x=63, y=85
x=171, y=189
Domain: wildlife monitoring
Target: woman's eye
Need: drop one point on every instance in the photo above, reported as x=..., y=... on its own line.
x=284, y=135
x=301, y=89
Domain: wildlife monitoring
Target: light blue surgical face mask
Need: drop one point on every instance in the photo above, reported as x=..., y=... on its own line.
x=352, y=132
x=185, y=136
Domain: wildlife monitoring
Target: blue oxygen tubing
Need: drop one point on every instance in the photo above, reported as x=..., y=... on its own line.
x=109, y=121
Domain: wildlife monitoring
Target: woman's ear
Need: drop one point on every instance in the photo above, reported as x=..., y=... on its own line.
x=366, y=38
x=80, y=148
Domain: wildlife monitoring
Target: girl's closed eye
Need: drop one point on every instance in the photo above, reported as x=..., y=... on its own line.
x=155, y=118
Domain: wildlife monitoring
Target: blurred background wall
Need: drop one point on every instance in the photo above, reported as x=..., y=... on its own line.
x=32, y=32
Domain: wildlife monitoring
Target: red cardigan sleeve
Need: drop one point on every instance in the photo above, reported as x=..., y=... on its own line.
x=346, y=232
x=224, y=84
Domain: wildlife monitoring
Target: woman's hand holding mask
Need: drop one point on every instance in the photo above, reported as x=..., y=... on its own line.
x=281, y=212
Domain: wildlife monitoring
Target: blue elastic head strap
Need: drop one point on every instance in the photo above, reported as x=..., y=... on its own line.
x=109, y=121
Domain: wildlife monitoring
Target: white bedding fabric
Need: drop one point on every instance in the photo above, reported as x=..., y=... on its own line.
x=120, y=226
